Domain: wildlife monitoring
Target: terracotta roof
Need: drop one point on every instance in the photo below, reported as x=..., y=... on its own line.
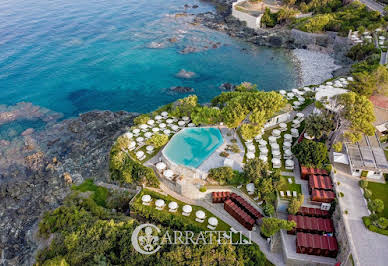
x=379, y=101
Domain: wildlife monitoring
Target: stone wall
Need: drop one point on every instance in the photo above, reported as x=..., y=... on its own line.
x=252, y=22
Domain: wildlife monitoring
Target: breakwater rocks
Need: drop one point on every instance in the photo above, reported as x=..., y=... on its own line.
x=36, y=169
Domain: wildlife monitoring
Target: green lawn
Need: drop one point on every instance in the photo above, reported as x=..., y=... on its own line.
x=380, y=191
x=291, y=187
x=222, y=226
x=100, y=194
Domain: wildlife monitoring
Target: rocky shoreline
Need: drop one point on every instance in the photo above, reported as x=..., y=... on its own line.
x=36, y=170
x=330, y=47
x=37, y=167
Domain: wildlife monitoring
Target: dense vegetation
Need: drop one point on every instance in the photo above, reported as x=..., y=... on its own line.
x=311, y=153
x=89, y=234
x=338, y=18
x=125, y=169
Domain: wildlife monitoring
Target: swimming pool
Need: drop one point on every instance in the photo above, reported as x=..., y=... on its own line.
x=192, y=146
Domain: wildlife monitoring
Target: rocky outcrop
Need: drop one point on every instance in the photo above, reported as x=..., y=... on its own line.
x=275, y=37
x=36, y=179
x=181, y=89
x=185, y=74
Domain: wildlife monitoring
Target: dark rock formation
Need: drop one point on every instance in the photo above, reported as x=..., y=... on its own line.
x=35, y=171
x=181, y=89
x=227, y=86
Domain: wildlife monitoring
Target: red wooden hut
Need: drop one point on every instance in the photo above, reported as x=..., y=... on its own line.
x=307, y=171
x=311, y=224
x=313, y=212
x=220, y=197
x=241, y=216
x=248, y=208
x=314, y=244
x=322, y=196
x=320, y=182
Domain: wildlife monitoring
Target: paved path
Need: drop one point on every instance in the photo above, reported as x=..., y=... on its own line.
x=368, y=248
x=376, y=6
x=218, y=210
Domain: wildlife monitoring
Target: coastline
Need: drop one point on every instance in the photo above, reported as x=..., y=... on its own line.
x=313, y=67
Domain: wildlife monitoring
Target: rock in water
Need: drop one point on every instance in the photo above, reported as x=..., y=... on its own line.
x=227, y=86
x=156, y=45
x=181, y=89
x=185, y=74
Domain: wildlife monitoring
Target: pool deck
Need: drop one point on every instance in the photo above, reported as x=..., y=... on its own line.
x=215, y=160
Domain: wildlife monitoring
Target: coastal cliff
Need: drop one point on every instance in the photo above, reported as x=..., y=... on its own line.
x=36, y=171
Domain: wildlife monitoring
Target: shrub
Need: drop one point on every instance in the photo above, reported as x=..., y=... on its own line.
x=158, y=140
x=224, y=154
x=202, y=189
x=233, y=140
x=341, y=194
x=141, y=119
x=376, y=205
x=271, y=226
x=221, y=174
x=268, y=209
x=346, y=212
x=382, y=222
x=361, y=51
x=337, y=146
x=367, y=193
x=363, y=183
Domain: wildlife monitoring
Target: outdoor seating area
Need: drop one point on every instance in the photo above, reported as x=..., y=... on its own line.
x=160, y=124
x=162, y=170
x=318, y=245
x=311, y=225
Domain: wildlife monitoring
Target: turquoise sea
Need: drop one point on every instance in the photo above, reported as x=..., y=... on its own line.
x=73, y=56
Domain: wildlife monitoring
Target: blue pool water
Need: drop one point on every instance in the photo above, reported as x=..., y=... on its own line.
x=73, y=56
x=191, y=146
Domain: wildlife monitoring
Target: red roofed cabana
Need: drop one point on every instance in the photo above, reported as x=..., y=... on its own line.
x=241, y=216
x=313, y=244
x=313, y=212
x=322, y=196
x=307, y=171
x=220, y=197
x=320, y=182
x=311, y=225
x=244, y=205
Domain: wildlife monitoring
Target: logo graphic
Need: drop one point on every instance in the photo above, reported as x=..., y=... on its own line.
x=145, y=240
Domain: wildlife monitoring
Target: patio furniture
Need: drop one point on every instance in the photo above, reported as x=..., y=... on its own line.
x=160, y=166
x=200, y=216
x=187, y=209
x=172, y=206
x=289, y=180
x=250, y=155
x=288, y=193
x=276, y=163
x=151, y=122
x=282, y=194
x=272, y=139
x=212, y=223
x=263, y=157
x=160, y=204
x=290, y=165
x=128, y=135
x=294, y=194
x=164, y=114
x=168, y=173
x=146, y=199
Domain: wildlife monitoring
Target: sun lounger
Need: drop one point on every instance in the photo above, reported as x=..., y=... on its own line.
x=288, y=193
x=282, y=194
x=294, y=194
x=290, y=180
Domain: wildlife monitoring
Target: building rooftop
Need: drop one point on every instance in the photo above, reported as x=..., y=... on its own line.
x=367, y=154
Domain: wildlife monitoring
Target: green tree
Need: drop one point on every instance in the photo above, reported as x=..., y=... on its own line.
x=271, y=226
x=221, y=174
x=206, y=115
x=367, y=193
x=295, y=204
x=184, y=107
x=158, y=140
x=268, y=19
x=246, y=86
x=376, y=205
x=318, y=126
x=268, y=209
x=357, y=115
x=311, y=153
x=255, y=169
